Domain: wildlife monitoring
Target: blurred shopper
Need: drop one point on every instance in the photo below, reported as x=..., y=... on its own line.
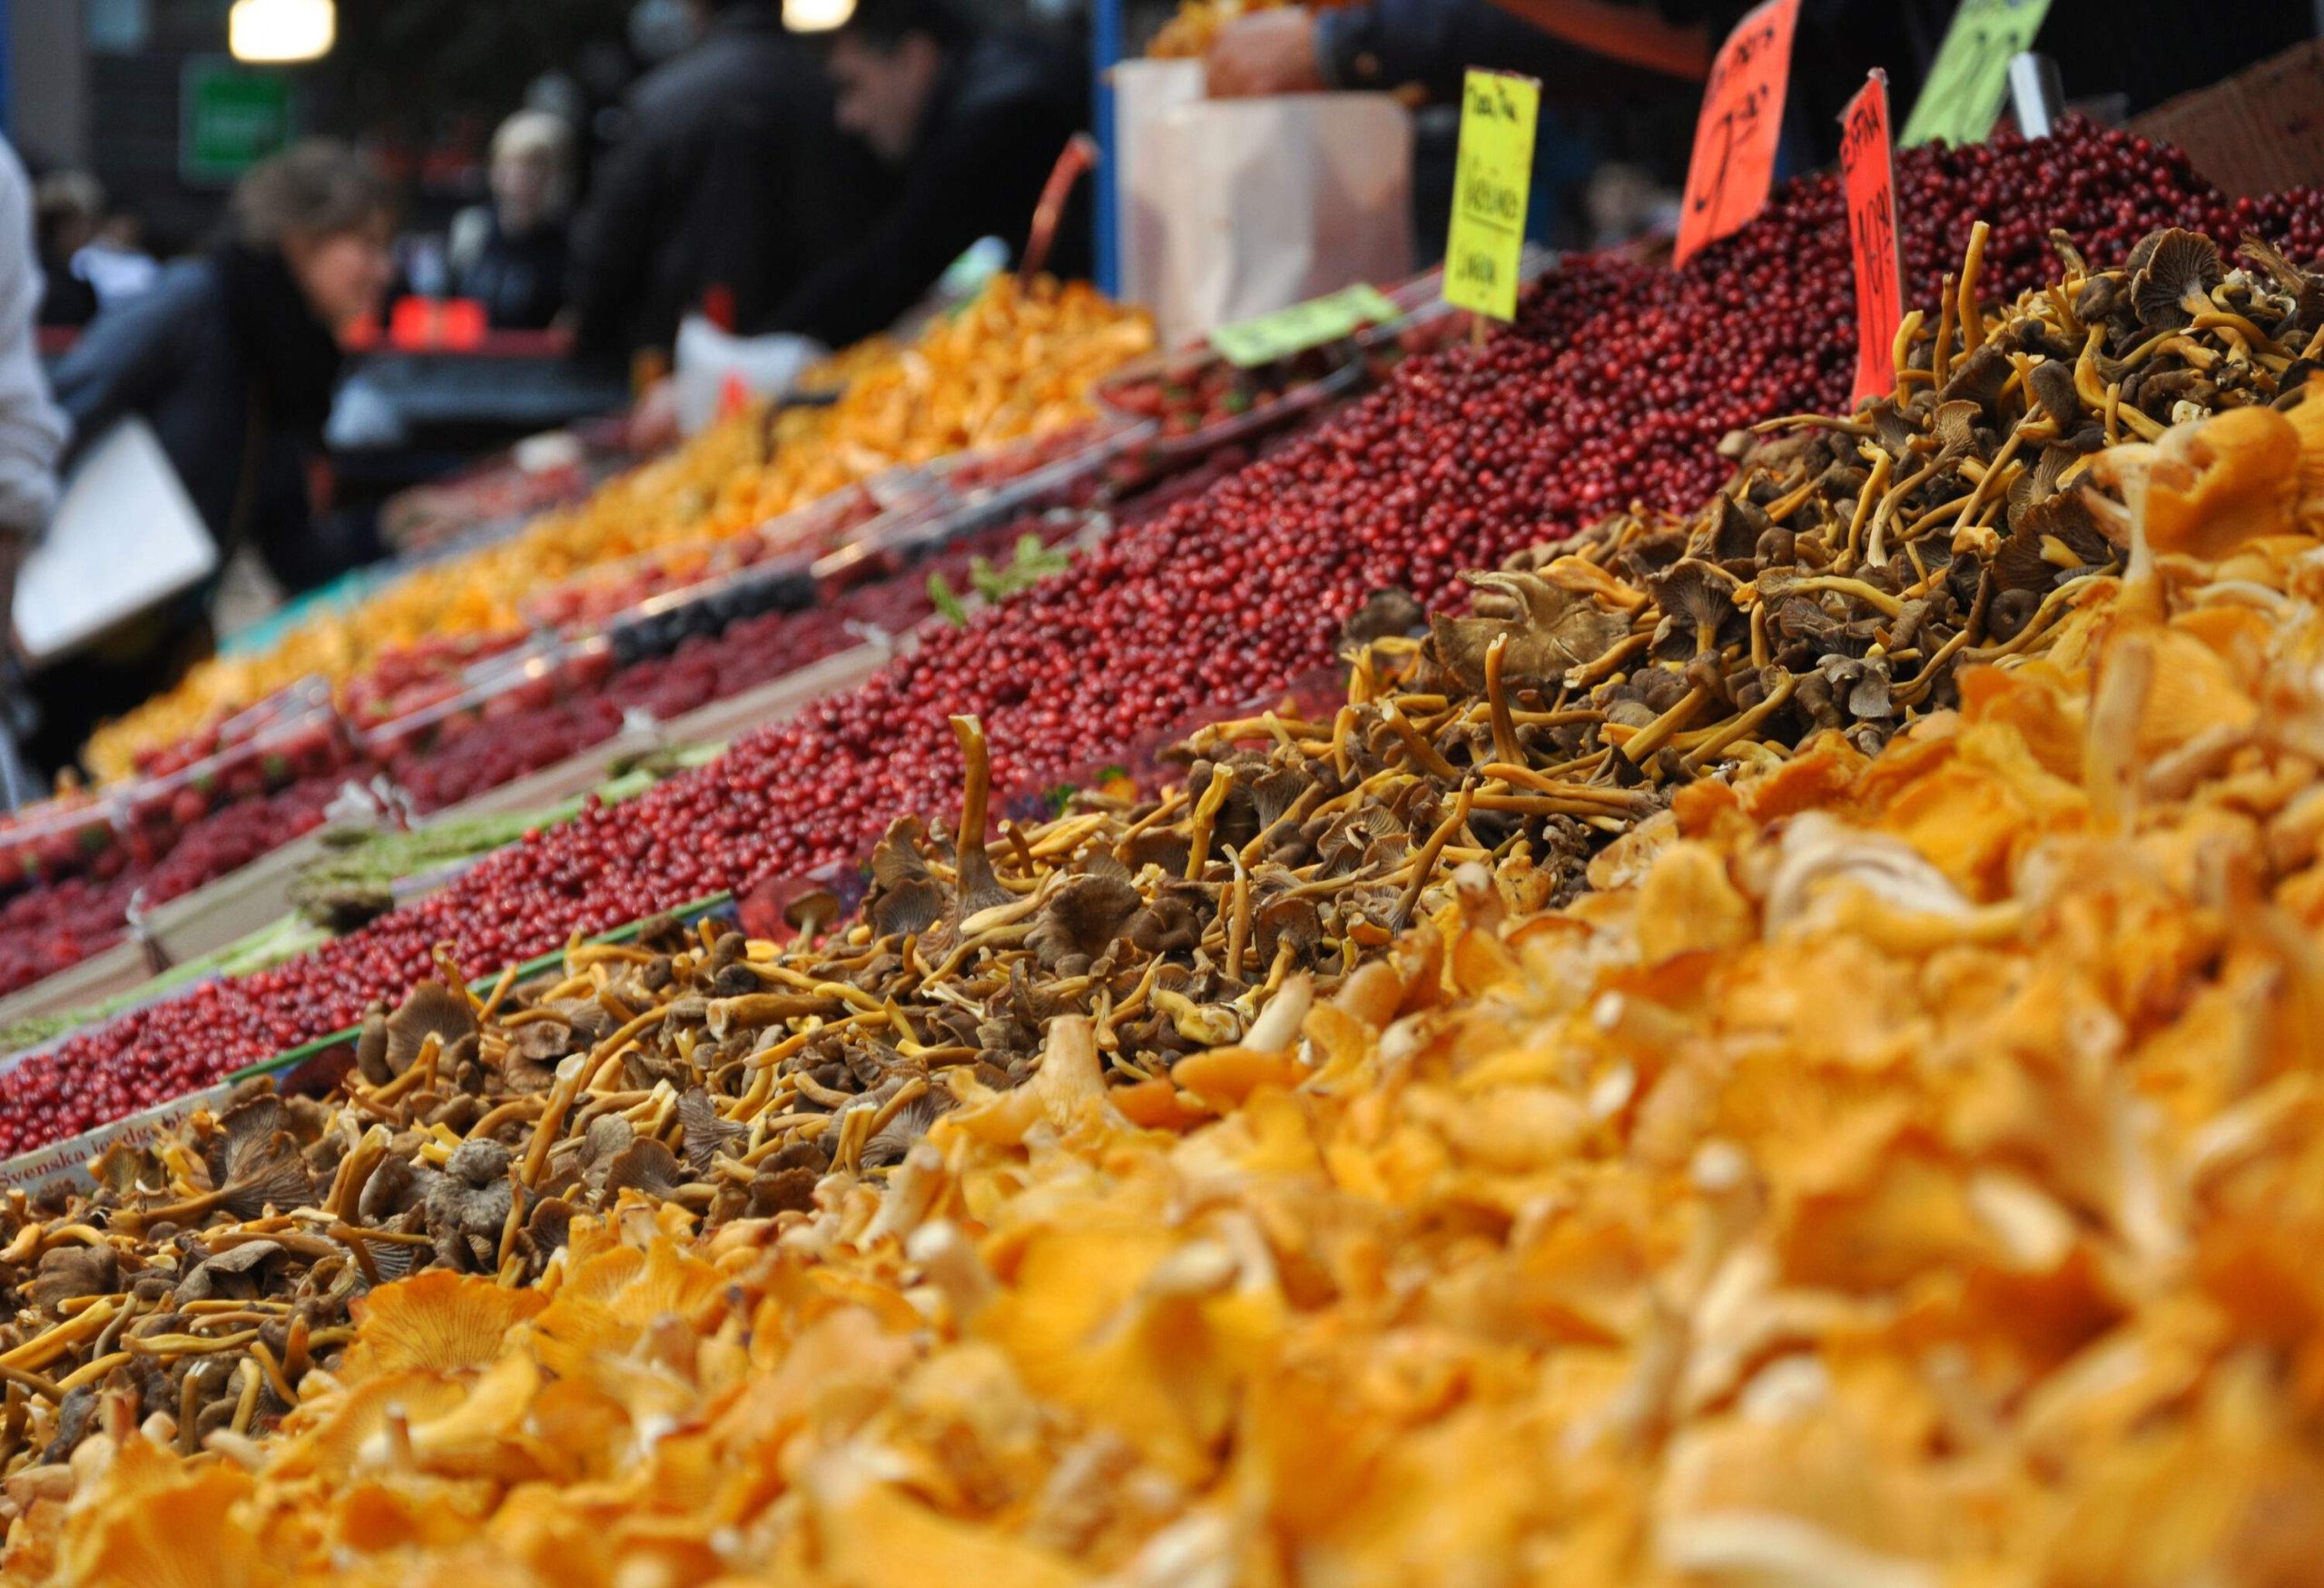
x=510, y=254
x=233, y=359
x=972, y=124
x=31, y=435
x=68, y=207
x=117, y=263
x=729, y=185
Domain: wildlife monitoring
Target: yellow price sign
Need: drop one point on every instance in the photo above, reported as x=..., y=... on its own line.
x=1492, y=185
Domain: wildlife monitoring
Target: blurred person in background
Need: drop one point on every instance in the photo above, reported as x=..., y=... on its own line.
x=510, y=254
x=729, y=184
x=233, y=359
x=68, y=207
x=116, y=262
x=32, y=436
x=972, y=124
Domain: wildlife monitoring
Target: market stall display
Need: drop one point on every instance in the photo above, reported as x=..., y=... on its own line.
x=1015, y=362
x=1616, y=387
x=1997, y=1270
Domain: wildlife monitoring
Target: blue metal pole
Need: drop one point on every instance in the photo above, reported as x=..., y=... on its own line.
x=7, y=71
x=1105, y=50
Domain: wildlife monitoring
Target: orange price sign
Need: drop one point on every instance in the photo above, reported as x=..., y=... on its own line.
x=1867, y=176
x=1734, y=162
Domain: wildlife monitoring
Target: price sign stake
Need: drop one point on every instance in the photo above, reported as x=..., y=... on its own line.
x=1492, y=185
x=1868, y=176
x=1970, y=77
x=1734, y=162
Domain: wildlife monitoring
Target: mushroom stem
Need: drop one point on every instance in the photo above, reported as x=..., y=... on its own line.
x=46, y=1347
x=569, y=1077
x=1900, y=353
x=1876, y=487
x=94, y=1370
x=1505, y=745
x=46, y=1388
x=1973, y=320
x=1940, y=355
x=1423, y=754
x=275, y=1378
x=1236, y=908
x=1424, y=864
x=295, y=1360
x=500, y=990
x=1222, y=783
x=1657, y=734
x=1742, y=725
x=974, y=863
x=246, y=1403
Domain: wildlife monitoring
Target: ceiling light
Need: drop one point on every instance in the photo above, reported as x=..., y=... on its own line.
x=278, y=31
x=816, y=16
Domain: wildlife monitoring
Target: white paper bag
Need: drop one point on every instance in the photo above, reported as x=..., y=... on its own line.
x=126, y=537
x=1143, y=92
x=1261, y=204
x=709, y=359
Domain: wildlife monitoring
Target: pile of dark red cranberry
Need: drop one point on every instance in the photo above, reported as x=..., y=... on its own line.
x=1617, y=385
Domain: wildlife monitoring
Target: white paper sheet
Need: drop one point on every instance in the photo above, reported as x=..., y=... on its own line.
x=126, y=537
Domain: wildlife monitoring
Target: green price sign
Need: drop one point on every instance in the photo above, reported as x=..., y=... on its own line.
x=1492, y=185
x=1966, y=85
x=1260, y=340
x=231, y=118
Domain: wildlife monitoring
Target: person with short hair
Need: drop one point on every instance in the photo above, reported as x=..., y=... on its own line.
x=510, y=254
x=68, y=207
x=973, y=124
x=233, y=358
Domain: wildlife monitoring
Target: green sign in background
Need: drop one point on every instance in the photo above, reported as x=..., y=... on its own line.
x=1970, y=75
x=1250, y=342
x=231, y=118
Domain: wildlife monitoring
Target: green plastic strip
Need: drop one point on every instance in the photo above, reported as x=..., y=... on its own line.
x=1262, y=340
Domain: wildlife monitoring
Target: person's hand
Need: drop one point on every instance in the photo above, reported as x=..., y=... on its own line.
x=654, y=421
x=1266, y=52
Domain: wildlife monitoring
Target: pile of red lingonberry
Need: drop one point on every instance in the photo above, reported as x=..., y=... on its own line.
x=1617, y=385
x=706, y=667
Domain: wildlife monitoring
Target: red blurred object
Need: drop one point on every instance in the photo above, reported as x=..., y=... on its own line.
x=429, y=325
x=718, y=306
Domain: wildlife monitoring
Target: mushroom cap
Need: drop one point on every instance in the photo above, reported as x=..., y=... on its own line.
x=432, y=1009
x=455, y=1204
x=395, y=1187
x=2172, y=264
x=909, y=907
x=2052, y=384
x=644, y=1165
x=1081, y=917
x=1954, y=426
x=1698, y=593
x=706, y=1134
x=479, y=1161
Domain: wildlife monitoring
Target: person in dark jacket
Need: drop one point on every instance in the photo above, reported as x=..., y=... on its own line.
x=510, y=255
x=233, y=358
x=972, y=124
x=730, y=185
